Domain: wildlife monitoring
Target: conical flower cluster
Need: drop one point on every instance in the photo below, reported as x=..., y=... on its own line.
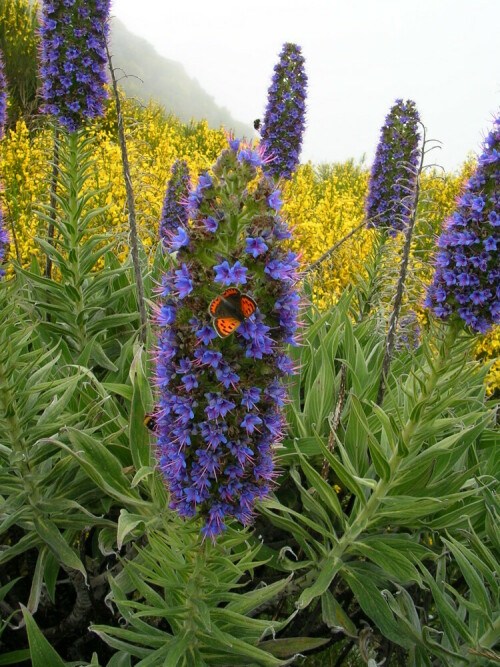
x=228, y=308
x=74, y=34
x=174, y=214
x=4, y=237
x=393, y=179
x=284, y=120
x=467, y=276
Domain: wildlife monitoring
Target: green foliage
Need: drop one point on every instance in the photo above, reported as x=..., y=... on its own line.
x=193, y=588
x=88, y=311
x=411, y=472
x=383, y=533
x=41, y=651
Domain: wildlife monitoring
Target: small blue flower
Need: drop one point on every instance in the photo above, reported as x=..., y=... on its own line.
x=250, y=421
x=183, y=282
x=180, y=239
x=211, y=224
x=251, y=157
x=490, y=243
x=274, y=200
x=234, y=144
x=167, y=315
x=250, y=397
x=206, y=334
x=217, y=406
x=256, y=246
x=190, y=381
x=228, y=275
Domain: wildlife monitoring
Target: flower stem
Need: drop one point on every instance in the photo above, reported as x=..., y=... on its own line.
x=134, y=245
x=403, y=271
x=53, y=201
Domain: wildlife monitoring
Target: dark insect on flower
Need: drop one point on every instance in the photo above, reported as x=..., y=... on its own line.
x=150, y=421
x=256, y=124
x=229, y=310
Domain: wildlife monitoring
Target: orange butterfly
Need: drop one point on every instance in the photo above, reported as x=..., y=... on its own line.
x=229, y=310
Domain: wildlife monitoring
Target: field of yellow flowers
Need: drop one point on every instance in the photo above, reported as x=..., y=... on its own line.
x=322, y=203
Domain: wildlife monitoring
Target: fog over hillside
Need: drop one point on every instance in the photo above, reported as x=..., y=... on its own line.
x=144, y=74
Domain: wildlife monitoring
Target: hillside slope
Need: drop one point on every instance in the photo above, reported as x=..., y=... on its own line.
x=144, y=74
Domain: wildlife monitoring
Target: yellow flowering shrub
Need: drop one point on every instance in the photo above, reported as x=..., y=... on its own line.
x=19, y=44
x=489, y=348
x=25, y=173
x=154, y=142
x=323, y=204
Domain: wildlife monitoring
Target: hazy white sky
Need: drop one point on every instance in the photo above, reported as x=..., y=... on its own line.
x=360, y=56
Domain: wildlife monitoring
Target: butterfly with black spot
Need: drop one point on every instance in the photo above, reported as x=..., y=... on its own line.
x=229, y=310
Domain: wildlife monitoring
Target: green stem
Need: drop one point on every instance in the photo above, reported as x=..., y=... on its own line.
x=398, y=299
x=373, y=281
x=53, y=201
x=74, y=235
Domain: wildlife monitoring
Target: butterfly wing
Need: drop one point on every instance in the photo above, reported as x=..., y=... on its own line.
x=225, y=326
x=227, y=304
x=247, y=305
x=212, y=308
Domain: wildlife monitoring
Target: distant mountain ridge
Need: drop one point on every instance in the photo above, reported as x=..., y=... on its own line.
x=145, y=74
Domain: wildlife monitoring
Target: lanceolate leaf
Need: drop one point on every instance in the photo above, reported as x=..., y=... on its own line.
x=102, y=467
x=285, y=648
x=50, y=534
x=41, y=652
x=374, y=605
x=329, y=568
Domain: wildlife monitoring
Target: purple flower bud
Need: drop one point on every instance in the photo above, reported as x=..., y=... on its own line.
x=211, y=224
x=469, y=242
x=174, y=212
x=284, y=120
x=68, y=30
x=393, y=179
x=256, y=246
x=221, y=350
